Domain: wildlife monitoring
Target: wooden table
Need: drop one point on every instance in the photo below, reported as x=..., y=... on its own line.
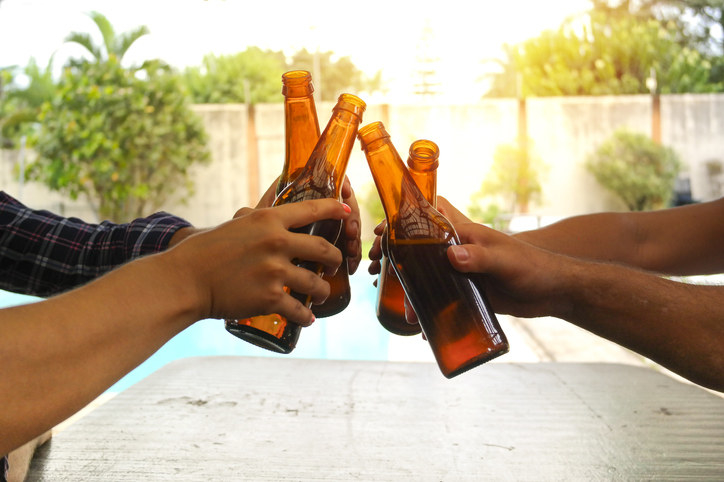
x=239, y=418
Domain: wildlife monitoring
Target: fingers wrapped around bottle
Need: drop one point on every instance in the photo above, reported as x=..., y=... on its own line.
x=247, y=266
x=375, y=253
x=352, y=228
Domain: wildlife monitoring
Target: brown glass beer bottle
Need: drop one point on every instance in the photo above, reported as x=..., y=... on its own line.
x=321, y=177
x=422, y=163
x=301, y=133
x=454, y=315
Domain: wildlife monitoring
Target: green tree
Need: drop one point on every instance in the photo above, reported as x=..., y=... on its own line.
x=253, y=76
x=19, y=107
x=113, y=44
x=636, y=169
x=515, y=176
x=256, y=73
x=125, y=142
x=336, y=76
x=701, y=23
x=612, y=55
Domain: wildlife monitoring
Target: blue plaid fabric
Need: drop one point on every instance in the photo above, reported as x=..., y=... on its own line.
x=42, y=254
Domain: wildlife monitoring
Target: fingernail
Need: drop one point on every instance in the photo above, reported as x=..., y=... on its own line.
x=460, y=253
x=346, y=207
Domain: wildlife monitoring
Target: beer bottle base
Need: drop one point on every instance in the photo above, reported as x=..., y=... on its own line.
x=262, y=339
x=475, y=362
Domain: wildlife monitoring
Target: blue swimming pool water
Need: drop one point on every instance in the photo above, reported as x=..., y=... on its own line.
x=353, y=334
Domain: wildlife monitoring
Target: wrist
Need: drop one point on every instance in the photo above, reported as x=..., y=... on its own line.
x=572, y=284
x=182, y=285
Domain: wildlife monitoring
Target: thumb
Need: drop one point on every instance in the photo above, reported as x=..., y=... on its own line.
x=467, y=258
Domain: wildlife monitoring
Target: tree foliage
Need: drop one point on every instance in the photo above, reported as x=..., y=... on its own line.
x=636, y=169
x=19, y=107
x=609, y=55
x=254, y=76
x=515, y=176
x=124, y=140
x=113, y=44
x=699, y=24
x=336, y=75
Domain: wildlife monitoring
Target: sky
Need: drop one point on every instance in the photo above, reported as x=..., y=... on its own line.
x=378, y=35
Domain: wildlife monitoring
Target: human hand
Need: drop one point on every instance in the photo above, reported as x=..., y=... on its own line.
x=351, y=228
x=240, y=268
x=375, y=253
x=518, y=278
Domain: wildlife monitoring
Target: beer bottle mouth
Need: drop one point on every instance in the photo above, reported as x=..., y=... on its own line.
x=297, y=83
x=351, y=103
x=423, y=155
x=371, y=132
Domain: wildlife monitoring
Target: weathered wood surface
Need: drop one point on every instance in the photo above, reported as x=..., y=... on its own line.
x=238, y=418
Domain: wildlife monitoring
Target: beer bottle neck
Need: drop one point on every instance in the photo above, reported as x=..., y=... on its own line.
x=334, y=147
x=389, y=174
x=301, y=127
x=423, y=163
x=409, y=215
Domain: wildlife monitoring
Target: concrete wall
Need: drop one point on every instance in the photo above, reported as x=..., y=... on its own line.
x=563, y=132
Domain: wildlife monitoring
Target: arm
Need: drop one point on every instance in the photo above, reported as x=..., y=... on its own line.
x=678, y=325
x=43, y=253
x=685, y=240
x=59, y=354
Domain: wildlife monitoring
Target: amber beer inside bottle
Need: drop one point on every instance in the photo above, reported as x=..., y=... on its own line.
x=321, y=177
x=453, y=313
x=422, y=162
x=340, y=292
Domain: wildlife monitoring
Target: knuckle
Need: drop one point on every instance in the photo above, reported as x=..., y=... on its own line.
x=275, y=271
x=313, y=281
x=265, y=215
x=274, y=296
x=277, y=242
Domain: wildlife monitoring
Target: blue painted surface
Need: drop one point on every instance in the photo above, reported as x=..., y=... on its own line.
x=353, y=334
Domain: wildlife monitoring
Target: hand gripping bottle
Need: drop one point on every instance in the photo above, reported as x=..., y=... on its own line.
x=321, y=177
x=301, y=129
x=454, y=315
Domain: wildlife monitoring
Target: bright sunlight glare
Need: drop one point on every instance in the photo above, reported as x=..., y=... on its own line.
x=394, y=37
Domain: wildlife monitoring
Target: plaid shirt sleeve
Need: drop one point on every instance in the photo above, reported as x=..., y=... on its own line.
x=42, y=253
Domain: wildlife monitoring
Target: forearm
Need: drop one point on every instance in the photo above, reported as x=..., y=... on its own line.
x=682, y=241
x=677, y=325
x=57, y=355
x=602, y=236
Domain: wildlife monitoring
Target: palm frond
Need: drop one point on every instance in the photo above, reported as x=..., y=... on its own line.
x=127, y=39
x=106, y=29
x=84, y=40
